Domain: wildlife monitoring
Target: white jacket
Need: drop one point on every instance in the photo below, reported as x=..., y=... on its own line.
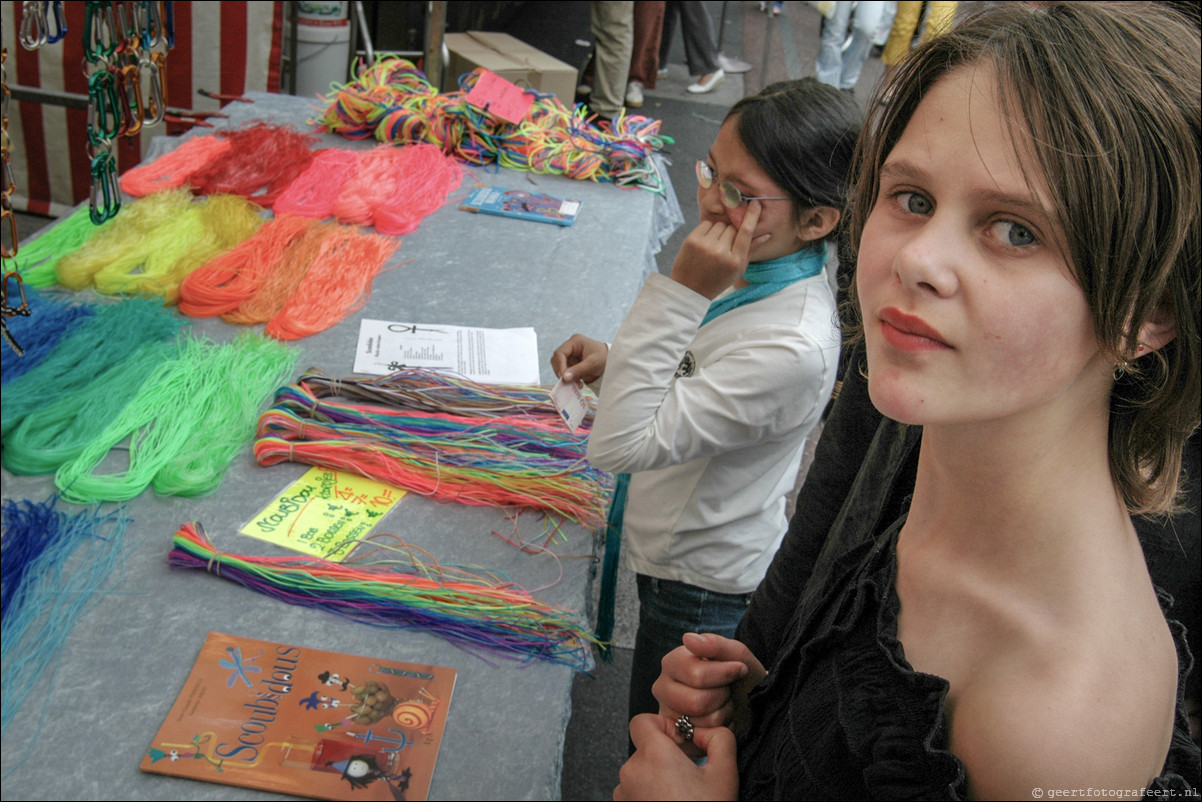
x=713, y=454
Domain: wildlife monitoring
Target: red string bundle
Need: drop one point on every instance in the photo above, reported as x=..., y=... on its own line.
x=222, y=284
x=262, y=161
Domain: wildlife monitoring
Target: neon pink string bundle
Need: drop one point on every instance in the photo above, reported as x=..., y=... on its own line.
x=222, y=283
x=283, y=280
x=262, y=161
x=338, y=283
x=175, y=168
x=314, y=191
x=426, y=177
x=374, y=183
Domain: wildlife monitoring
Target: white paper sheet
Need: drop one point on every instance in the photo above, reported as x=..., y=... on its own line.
x=488, y=356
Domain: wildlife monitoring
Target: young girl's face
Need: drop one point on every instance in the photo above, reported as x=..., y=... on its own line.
x=730, y=161
x=970, y=310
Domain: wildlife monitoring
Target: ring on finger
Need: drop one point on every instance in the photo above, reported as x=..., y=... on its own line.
x=684, y=728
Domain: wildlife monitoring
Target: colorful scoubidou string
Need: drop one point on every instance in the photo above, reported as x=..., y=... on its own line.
x=46, y=589
x=521, y=459
x=478, y=611
x=394, y=102
x=186, y=423
x=39, y=332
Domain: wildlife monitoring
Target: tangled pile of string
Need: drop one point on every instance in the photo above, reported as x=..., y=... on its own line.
x=394, y=102
x=477, y=610
x=470, y=450
x=184, y=426
x=47, y=586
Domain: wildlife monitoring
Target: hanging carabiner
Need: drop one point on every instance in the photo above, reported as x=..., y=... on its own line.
x=130, y=94
x=169, y=27
x=150, y=21
x=33, y=25
x=156, y=100
x=104, y=121
x=100, y=37
x=60, y=22
x=105, y=195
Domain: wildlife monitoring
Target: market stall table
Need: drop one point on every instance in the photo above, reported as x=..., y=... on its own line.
x=83, y=730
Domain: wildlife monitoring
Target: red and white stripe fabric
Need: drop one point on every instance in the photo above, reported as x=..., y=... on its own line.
x=227, y=47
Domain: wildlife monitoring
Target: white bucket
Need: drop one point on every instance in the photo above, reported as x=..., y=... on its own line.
x=323, y=47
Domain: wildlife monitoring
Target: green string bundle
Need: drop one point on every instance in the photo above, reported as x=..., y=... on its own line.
x=39, y=257
x=187, y=422
x=103, y=340
x=55, y=433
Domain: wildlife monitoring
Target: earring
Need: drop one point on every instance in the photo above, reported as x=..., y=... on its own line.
x=1120, y=370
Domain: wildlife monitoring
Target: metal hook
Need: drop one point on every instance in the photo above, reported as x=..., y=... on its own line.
x=105, y=196
x=60, y=22
x=130, y=94
x=156, y=100
x=33, y=25
x=103, y=105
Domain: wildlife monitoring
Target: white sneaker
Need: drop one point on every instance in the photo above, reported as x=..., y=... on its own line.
x=707, y=83
x=634, y=94
x=662, y=72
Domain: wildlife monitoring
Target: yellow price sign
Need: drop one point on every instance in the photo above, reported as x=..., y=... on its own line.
x=324, y=513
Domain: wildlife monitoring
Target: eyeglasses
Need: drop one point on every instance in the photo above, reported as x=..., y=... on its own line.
x=731, y=196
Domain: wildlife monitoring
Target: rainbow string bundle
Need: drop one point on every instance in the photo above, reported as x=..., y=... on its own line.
x=394, y=102
x=478, y=611
x=524, y=458
x=47, y=586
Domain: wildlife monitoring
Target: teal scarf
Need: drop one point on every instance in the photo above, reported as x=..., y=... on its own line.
x=764, y=279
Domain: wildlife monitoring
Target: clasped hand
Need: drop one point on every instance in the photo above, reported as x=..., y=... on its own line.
x=706, y=679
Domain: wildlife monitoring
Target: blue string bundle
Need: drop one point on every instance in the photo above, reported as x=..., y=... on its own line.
x=39, y=332
x=46, y=586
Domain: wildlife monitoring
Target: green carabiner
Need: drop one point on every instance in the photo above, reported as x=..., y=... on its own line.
x=105, y=196
x=104, y=109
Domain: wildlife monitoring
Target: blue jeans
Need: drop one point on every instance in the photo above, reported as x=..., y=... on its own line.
x=667, y=610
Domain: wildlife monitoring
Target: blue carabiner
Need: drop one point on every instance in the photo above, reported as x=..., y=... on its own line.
x=60, y=22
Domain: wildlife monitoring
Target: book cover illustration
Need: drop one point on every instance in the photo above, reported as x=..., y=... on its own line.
x=522, y=205
x=304, y=721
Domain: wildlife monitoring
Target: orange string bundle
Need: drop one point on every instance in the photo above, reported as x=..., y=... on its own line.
x=374, y=183
x=314, y=191
x=262, y=161
x=222, y=283
x=425, y=178
x=283, y=280
x=338, y=283
x=175, y=168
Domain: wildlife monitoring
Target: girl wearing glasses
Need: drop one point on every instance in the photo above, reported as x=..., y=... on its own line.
x=721, y=369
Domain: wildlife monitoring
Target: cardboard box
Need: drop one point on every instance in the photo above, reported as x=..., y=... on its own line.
x=510, y=58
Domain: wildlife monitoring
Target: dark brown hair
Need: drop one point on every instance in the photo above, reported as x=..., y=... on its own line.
x=1106, y=96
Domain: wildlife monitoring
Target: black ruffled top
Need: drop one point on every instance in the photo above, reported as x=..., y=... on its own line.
x=843, y=716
